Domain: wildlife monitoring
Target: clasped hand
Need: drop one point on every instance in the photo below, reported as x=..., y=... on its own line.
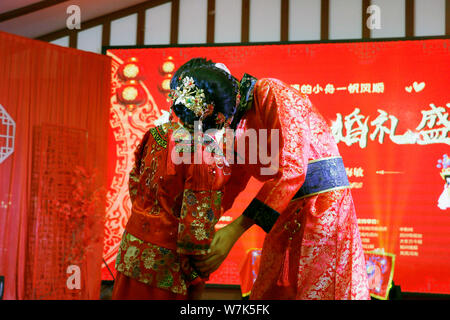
x=221, y=245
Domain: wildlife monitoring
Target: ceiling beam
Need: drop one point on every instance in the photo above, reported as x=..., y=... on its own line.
x=365, y=30
x=105, y=19
x=245, y=21
x=29, y=9
x=284, y=30
x=211, y=21
x=324, y=19
x=175, y=14
x=447, y=18
x=409, y=18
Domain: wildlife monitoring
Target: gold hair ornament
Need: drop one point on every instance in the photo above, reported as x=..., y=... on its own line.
x=193, y=98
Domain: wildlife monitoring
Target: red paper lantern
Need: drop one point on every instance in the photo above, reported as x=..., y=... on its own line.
x=165, y=85
x=131, y=94
x=168, y=66
x=130, y=70
x=166, y=69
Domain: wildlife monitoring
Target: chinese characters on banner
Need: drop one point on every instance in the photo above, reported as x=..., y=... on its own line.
x=330, y=88
x=356, y=128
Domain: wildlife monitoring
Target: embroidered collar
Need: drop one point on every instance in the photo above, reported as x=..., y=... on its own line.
x=159, y=134
x=246, y=87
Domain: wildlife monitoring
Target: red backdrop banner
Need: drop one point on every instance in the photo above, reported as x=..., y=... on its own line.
x=387, y=103
x=54, y=109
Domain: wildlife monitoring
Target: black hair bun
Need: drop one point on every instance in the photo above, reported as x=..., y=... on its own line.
x=219, y=87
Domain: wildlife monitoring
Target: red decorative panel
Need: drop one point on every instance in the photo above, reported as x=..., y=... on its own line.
x=66, y=219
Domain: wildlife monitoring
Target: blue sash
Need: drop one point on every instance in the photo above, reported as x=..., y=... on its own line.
x=323, y=175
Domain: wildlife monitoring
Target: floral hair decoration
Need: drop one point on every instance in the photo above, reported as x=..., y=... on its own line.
x=192, y=98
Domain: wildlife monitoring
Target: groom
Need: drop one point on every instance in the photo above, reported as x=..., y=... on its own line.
x=312, y=249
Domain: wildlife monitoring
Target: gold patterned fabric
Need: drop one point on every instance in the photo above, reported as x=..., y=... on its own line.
x=174, y=209
x=154, y=265
x=197, y=220
x=313, y=249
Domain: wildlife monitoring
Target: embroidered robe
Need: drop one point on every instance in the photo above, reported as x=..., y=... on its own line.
x=312, y=249
x=175, y=205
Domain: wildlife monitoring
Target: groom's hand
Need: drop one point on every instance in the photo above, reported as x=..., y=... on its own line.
x=223, y=240
x=221, y=245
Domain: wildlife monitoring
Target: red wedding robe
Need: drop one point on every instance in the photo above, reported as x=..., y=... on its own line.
x=314, y=250
x=174, y=210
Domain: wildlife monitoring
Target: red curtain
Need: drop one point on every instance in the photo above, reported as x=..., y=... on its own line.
x=57, y=100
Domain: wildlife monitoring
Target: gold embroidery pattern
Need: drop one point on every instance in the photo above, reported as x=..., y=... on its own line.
x=158, y=134
x=153, y=265
x=152, y=186
x=199, y=214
